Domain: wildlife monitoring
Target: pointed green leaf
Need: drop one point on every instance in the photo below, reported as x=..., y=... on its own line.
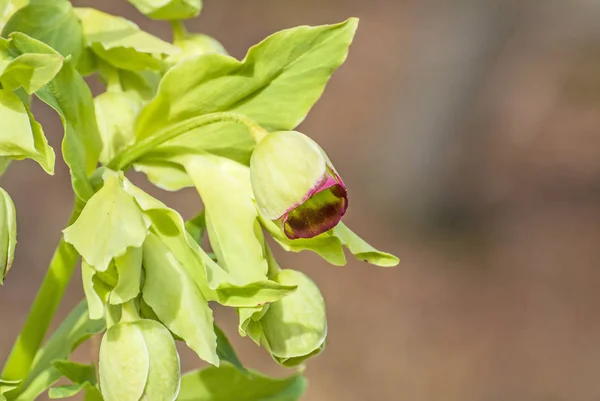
x=276, y=84
x=76, y=372
x=361, y=249
x=66, y=391
x=51, y=22
x=8, y=385
x=92, y=394
x=129, y=267
x=231, y=216
x=124, y=363
x=109, y=223
x=177, y=301
x=226, y=352
x=94, y=301
x=21, y=136
x=122, y=43
x=115, y=113
x=168, y=9
x=70, y=97
x=226, y=383
x=8, y=233
x=75, y=329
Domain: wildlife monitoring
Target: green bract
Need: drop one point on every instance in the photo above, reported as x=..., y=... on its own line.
x=187, y=115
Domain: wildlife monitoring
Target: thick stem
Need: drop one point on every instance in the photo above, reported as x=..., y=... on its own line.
x=139, y=149
x=43, y=309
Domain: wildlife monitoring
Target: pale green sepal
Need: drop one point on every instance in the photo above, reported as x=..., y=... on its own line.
x=284, y=168
x=122, y=43
x=231, y=217
x=295, y=328
x=212, y=280
x=164, y=374
x=71, y=98
x=226, y=383
x=94, y=301
x=124, y=363
x=21, y=136
x=168, y=9
x=29, y=71
x=8, y=233
x=109, y=223
x=115, y=113
x=177, y=301
x=193, y=44
x=165, y=175
x=129, y=268
x=51, y=22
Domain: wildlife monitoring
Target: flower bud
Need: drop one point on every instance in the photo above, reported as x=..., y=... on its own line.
x=139, y=362
x=295, y=185
x=8, y=233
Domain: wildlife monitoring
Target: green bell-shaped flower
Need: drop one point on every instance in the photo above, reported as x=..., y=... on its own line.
x=8, y=233
x=295, y=185
x=139, y=362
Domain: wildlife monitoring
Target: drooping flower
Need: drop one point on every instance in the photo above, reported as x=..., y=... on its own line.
x=296, y=185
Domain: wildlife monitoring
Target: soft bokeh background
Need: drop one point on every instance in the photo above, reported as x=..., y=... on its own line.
x=468, y=132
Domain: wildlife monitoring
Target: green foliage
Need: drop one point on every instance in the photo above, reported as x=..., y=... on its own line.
x=185, y=114
x=168, y=9
x=226, y=383
x=51, y=22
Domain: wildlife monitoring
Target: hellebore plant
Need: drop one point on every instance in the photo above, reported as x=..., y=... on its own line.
x=185, y=114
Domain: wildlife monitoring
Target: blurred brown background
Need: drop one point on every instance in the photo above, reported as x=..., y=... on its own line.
x=468, y=132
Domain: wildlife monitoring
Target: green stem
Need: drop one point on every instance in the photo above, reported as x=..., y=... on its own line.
x=43, y=309
x=129, y=312
x=139, y=149
x=179, y=31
